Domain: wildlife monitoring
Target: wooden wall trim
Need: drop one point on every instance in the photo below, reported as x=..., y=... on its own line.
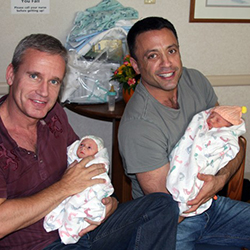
x=233, y=80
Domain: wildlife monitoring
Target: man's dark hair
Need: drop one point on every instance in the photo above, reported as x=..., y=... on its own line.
x=147, y=24
x=41, y=42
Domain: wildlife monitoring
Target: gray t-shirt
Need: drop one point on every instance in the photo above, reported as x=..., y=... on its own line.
x=148, y=130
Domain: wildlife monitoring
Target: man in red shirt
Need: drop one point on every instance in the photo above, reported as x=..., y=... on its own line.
x=34, y=135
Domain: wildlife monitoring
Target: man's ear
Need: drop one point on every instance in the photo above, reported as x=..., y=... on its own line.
x=10, y=74
x=135, y=65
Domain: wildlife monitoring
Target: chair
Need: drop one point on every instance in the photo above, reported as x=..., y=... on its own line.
x=234, y=191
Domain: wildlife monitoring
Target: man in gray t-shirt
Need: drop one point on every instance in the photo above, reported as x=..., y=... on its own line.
x=153, y=129
x=155, y=118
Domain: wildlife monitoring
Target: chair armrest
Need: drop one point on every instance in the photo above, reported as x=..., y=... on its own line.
x=235, y=185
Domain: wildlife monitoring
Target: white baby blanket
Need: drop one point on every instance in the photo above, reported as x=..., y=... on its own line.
x=200, y=150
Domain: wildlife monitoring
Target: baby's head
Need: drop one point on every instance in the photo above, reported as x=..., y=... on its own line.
x=225, y=116
x=89, y=145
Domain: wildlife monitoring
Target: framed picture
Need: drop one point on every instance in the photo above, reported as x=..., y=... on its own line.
x=224, y=11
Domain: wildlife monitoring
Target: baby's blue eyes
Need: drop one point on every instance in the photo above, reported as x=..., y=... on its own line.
x=82, y=145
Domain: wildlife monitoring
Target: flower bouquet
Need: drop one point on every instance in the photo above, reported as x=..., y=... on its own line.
x=126, y=75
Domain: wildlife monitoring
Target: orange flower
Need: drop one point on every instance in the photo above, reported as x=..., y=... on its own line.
x=126, y=75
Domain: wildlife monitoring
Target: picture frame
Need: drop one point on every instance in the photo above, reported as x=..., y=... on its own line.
x=220, y=11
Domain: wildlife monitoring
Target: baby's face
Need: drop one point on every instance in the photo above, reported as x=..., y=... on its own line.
x=86, y=148
x=217, y=121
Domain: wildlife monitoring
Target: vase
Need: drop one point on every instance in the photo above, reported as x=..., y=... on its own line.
x=127, y=95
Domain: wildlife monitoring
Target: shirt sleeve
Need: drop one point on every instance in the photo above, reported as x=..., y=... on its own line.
x=144, y=149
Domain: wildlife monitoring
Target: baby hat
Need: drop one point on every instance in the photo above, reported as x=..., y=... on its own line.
x=98, y=141
x=231, y=113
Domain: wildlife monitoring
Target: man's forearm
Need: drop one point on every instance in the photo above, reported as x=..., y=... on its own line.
x=19, y=213
x=230, y=169
x=154, y=181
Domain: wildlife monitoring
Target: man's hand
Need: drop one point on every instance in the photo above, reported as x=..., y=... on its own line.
x=78, y=177
x=212, y=184
x=111, y=204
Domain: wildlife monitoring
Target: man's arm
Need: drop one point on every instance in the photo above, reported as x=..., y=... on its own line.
x=213, y=184
x=154, y=181
x=19, y=213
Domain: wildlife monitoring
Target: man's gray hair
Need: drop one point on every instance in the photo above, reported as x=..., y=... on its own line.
x=41, y=42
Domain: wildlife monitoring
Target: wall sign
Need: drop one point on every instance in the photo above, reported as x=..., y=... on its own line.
x=30, y=6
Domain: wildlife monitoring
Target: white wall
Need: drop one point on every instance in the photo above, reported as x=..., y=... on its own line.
x=213, y=48
x=220, y=50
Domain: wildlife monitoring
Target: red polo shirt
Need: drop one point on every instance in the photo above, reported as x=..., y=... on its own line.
x=24, y=173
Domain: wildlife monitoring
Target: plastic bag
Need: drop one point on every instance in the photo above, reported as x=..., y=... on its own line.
x=90, y=69
x=98, y=41
x=88, y=81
